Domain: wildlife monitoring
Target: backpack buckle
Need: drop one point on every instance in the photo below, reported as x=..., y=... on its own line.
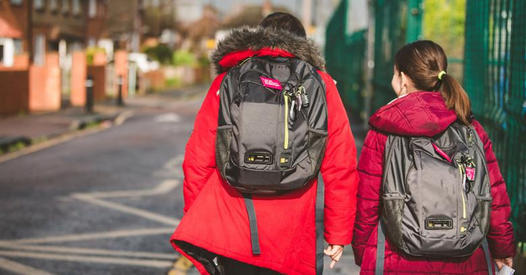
x=285, y=160
x=258, y=157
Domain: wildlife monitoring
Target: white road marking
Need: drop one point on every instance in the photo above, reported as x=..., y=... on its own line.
x=165, y=187
x=87, y=259
x=19, y=248
x=18, y=268
x=168, y=117
x=123, y=117
x=128, y=209
x=92, y=251
x=94, y=236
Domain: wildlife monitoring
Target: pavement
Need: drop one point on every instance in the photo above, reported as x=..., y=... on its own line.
x=104, y=200
x=32, y=128
x=28, y=129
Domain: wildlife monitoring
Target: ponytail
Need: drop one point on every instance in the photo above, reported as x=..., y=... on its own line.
x=425, y=63
x=456, y=98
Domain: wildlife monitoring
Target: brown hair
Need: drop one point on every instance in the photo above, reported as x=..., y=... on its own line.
x=422, y=61
x=284, y=21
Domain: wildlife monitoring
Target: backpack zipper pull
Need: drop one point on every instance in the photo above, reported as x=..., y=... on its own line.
x=292, y=114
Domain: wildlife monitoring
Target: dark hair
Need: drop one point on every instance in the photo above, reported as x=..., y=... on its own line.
x=284, y=21
x=422, y=61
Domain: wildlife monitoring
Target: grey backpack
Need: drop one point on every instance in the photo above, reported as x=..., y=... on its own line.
x=436, y=196
x=271, y=133
x=272, y=125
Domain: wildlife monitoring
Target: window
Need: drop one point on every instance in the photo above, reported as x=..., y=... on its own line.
x=92, y=8
x=76, y=7
x=16, y=2
x=53, y=5
x=1, y=53
x=38, y=4
x=19, y=47
x=40, y=50
x=7, y=52
x=65, y=6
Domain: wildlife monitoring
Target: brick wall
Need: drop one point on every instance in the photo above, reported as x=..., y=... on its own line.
x=153, y=80
x=98, y=73
x=14, y=94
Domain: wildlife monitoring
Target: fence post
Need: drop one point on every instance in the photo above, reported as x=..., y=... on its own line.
x=414, y=21
x=120, y=80
x=89, y=94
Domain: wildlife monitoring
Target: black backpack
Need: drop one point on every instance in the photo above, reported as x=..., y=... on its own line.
x=435, y=196
x=272, y=125
x=271, y=133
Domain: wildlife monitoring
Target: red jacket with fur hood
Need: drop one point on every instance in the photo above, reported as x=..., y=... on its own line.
x=216, y=221
x=421, y=114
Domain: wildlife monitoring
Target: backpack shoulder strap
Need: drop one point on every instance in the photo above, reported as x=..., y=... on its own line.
x=380, y=250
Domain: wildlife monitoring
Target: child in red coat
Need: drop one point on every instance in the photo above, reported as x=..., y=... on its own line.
x=429, y=100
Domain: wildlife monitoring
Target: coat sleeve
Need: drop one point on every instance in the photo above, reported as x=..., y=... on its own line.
x=500, y=236
x=338, y=170
x=199, y=159
x=370, y=168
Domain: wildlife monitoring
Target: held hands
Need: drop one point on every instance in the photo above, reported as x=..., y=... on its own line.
x=506, y=261
x=334, y=251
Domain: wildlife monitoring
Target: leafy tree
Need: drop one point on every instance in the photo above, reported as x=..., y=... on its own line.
x=443, y=22
x=161, y=53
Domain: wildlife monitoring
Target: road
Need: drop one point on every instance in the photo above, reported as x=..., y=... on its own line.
x=103, y=203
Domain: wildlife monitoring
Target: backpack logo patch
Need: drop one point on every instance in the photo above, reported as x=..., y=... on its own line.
x=270, y=83
x=470, y=173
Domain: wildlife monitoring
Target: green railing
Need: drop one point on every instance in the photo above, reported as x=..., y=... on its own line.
x=495, y=79
x=396, y=23
x=345, y=53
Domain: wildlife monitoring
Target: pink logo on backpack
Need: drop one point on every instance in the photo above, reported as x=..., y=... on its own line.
x=470, y=173
x=270, y=83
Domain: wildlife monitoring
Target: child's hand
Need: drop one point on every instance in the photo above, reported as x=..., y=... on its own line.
x=506, y=261
x=334, y=251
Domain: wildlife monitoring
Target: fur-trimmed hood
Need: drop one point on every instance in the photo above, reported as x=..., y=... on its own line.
x=245, y=42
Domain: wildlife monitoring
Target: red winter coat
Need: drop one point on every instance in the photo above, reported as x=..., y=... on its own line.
x=215, y=216
x=421, y=114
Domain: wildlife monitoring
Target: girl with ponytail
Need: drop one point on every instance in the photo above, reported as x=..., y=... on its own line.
x=429, y=101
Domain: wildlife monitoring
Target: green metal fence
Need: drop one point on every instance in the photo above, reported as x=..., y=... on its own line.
x=345, y=53
x=396, y=23
x=495, y=79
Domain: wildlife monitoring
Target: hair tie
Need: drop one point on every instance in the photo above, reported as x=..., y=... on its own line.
x=441, y=75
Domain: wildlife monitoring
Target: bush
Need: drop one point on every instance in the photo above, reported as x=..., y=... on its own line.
x=184, y=58
x=203, y=61
x=161, y=53
x=90, y=54
x=173, y=82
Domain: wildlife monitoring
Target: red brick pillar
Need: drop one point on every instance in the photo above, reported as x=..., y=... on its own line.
x=78, y=79
x=121, y=70
x=44, y=85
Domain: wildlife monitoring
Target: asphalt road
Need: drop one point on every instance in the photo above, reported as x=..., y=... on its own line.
x=104, y=203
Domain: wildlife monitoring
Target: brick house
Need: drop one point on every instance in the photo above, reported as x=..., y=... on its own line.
x=42, y=45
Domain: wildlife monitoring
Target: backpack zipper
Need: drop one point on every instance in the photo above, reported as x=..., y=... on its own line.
x=463, y=177
x=286, y=122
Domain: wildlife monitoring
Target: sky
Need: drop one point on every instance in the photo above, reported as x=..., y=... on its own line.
x=225, y=5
